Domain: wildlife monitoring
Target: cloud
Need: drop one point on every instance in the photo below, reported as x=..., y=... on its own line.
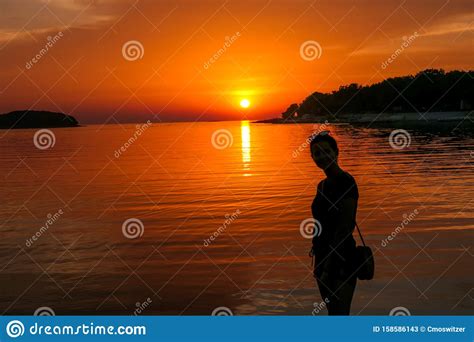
x=36, y=17
x=454, y=25
x=458, y=24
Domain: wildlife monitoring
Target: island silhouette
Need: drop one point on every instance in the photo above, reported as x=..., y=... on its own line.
x=36, y=119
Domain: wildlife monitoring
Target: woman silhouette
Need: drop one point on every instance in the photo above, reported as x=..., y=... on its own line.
x=334, y=209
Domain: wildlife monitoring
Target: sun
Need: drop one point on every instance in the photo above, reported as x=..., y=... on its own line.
x=244, y=103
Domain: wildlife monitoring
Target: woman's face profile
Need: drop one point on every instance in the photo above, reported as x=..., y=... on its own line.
x=323, y=154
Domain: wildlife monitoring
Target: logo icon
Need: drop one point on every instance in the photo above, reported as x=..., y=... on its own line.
x=310, y=228
x=15, y=329
x=221, y=139
x=44, y=139
x=133, y=50
x=310, y=50
x=44, y=311
x=400, y=311
x=222, y=311
x=133, y=228
x=399, y=139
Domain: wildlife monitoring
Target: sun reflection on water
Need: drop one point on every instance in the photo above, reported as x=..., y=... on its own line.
x=246, y=157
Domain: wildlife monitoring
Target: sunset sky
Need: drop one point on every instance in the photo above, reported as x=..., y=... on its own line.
x=87, y=72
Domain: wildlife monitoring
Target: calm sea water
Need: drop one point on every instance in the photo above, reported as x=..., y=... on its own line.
x=251, y=194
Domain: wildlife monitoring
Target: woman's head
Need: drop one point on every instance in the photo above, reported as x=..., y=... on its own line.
x=324, y=150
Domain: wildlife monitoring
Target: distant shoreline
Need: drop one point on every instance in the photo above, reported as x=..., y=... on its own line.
x=382, y=118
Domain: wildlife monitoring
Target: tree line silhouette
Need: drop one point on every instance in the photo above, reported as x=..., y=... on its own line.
x=431, y=90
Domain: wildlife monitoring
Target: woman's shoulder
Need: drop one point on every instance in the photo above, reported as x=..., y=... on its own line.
x=348, y=185
x=347, y=177
x=344, y=181
x=344, y=185
x=321, y=184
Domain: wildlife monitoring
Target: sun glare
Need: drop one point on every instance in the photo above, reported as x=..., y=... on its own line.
x=244, y=103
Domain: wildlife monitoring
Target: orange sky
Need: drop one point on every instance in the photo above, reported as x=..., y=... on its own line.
x=84, y=73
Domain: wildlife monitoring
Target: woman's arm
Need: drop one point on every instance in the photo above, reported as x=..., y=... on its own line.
x=315, y=214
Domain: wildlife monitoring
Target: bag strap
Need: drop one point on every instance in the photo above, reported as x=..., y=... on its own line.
x=361, y=238
x=360, y=234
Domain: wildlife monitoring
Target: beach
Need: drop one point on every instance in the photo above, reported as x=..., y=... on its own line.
x=409, y=118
